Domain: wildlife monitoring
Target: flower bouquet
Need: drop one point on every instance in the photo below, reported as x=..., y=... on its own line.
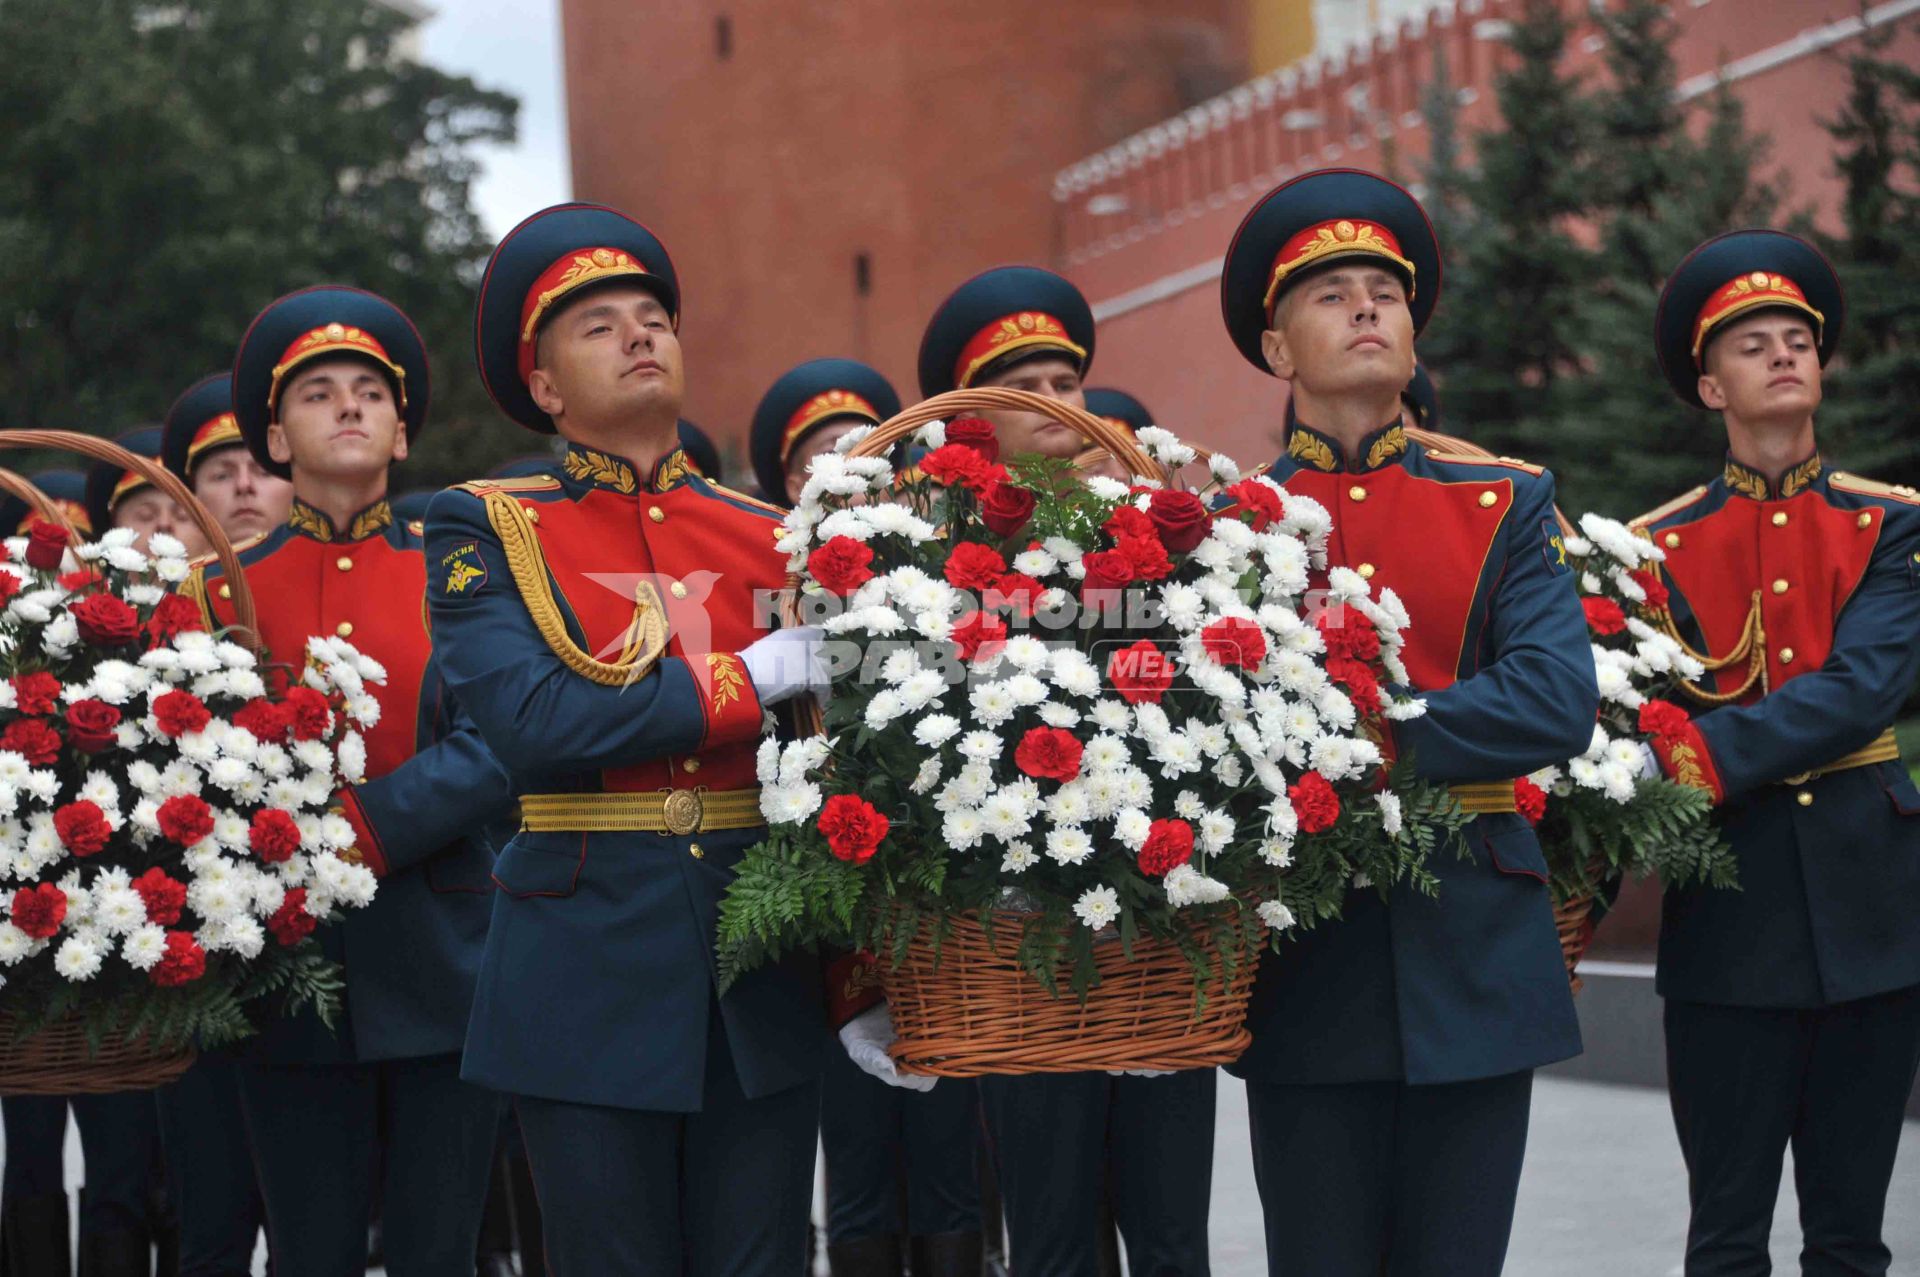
x=1084, y=735
x=1610, y=812
x=167, y=844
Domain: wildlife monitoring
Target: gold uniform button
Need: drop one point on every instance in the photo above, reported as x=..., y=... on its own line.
x=697, y=852
x=1779, y=518
x=344, y=563
x=533, y=515
x=344, y=629
x=1673, y=540
x=1356, y=493
x=657, y=514
x=1780, y=586
x=1804, y=798
x=226, y=591
x=678, y=590
x=692, y=765
x=1366, y=571
x=1864, y=521
x=1786, y=656
x=1488, y=500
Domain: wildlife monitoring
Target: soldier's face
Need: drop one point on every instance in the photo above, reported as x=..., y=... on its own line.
x=1027, y=433
x=610, y=356
x=148, y=511
x=338, y=418
x=1763, y=367
x=241, y=496
x=821, y=440
x=1343, y=330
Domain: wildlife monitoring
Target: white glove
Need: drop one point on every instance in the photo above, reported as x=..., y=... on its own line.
x=1650, y=763
x=786, y=663
x=867, y=1037
x=1139, y=1072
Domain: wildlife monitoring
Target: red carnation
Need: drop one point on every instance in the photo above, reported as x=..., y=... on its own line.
x=180, y=712
x=1181, y=518
x=1661, y=719
x=1128, y=521
x=79, y=580
x=33, y=738
x=1106, y=570
x=1169, y=845
x=1015, y=590
x=273, y=836
x=979, y=637
x=1530, y=800
x=958, y=463
x=1048, y=753
x=291, y=923
x=1315, y=805
x=186, y=819
x=1603, y=615
x=164, y=897
x=266, y=722
x=40, y=910
x=973, y=566
x=105, y=621
x=90, y=725
x=1006, y=508
x=1363, y=689
x=976, y=433
x=183, y=962
x=9, y=585
x=46, y=545
x=841, y=565
x=1347, y=633
x=1257, y=499
x=853, y=826
x=36, y=693
x=309, y=713
x=1140, y=672
x=82, y=827
x=1146, y=556
x=175, y=615
x=1649, y=583
x=1234, y=640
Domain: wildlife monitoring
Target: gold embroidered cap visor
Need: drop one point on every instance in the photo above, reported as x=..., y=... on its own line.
x=805, y=398
x=200, y=422
x=1314, y=220
x=323, y=321
x=545, y=262
x=108, y=484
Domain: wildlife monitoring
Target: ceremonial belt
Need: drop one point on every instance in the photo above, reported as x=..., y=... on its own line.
x=1484, y=797
x=1882, y=749
x=658, y=811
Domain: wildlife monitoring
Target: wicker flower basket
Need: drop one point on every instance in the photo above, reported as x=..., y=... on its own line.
x=58, y=1059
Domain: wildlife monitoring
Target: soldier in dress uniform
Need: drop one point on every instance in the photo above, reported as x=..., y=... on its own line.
x=1792, y=1004
x=202, y=445
x=118, y=498
x=875, y=1137
x=330, y=387
x=609, y=629
x=67, y=489
x=1391, y=1069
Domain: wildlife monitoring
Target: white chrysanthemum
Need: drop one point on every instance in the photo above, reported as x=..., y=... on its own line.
x=1131, y=828
x=1098, y=907
x=1591, y=584
x=963, y=829
x=1223, y=468
x=1103, y=753
x=240, y=935
x=993, y=703
x=117, y=910
x=1618, y=780
x=980, y=746
x=1035, y=563
x=936, y=729
x=1070, y=804
x=1027, y=654
x=144, y=947
x=44, y=784
x=884, y=708
x=13, y=768
x=352, y=885
x=1585, y=773
x=1186, y=885
x=1614, y=539
x=1183, y=606
x=77, y=959
x=766, y=761
x=1074, y=674
x=1064, y=549
x=1597, y=744
x=1276, y=915
x=1391, y=818
x=1214, y=832
x=1277, y=852
x=922, y=690
x=1105, y=488
x=1062, y=716
x=926, y=777
x=1152, y=720
x=1176, y=754
x=1007, y=814
x=216, y=898
x=15, y=944
x=1026, y=690
x=1112, y=716
x=1404, y=709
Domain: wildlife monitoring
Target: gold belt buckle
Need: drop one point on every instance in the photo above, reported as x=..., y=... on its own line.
x=683, y=811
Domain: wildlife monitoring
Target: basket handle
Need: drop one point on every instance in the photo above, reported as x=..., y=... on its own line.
x=162, y=478
x=1114, y=439
x=21, y=486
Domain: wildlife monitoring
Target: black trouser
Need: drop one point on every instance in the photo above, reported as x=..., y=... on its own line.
x=118, y=1133
x=210, y=1169
x=872, y=1132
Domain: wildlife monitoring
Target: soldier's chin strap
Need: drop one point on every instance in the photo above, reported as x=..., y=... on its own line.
x=645, y=640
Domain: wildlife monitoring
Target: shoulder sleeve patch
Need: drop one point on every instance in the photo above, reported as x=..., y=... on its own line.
x=1874, y=488
x=1553, y=547
x=1674, y=506
x=462, y=569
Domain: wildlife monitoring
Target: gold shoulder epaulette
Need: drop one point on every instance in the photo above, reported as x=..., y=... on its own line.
x=1468, y=459
x=532, y=483
x=1873, y=487
x=1680, y=502
x=744, y=499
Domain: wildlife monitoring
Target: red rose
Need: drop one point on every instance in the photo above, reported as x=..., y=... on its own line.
x=1234, y=640
x=82, y=827
x=853, y=826
x=308, y=712
x=1529, y=800
x=1663, y=718
x=90, y=725
x=105, y=621
x=180, y=712
x=175, y=615
x=164, y=897
x=1140, y=672
x=40, y=910
x=33, y=738
x=36, y=693
x=959, y=464
x=1146, y=556
x=1128, y=521
x=266, y=722
x=1181, y=518
x=273, y=836
x=1347, y=633
x=973, y=566
x=1603, y=615
x=841, y=565
x=976, y=433
x=1005, y=508
x=183, y=962
x=1048, y=753
x=291, y=923
x=46, y=544
x=979, y=637
x=186, y=819
x=1649, y=583
x=1169, y=845
x=1257, y=499
x=1106, y=570
x=1015, y=590
x=1363, y=689
x=1315, y=805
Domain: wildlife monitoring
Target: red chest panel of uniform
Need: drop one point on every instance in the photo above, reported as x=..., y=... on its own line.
x=370, y=593
x=1802, y=557
x=1428, y=540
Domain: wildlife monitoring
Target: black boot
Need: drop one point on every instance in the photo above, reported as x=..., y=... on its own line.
x=865, y=1257
x=33, y=1237
x=946, y=1254
x=116, y=1252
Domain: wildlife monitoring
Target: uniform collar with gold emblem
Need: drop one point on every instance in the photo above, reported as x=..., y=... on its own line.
x=1747, y=482
x=598, y=469
x=1316, y=451
x=313, y=522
